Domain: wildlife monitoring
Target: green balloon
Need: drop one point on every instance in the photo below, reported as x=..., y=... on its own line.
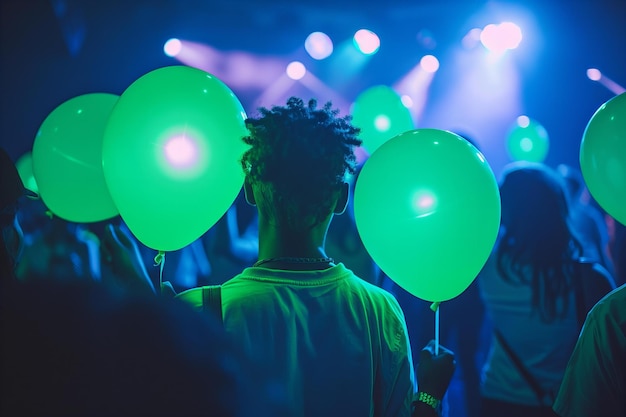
x=603, y=157
x=381, y=115
x=427, y=207
x=24, y=165
x=67, y=159
x=171, y=155
x=528, y=141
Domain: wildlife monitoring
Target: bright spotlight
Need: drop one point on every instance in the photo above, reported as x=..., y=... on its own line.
x=523, y=121
x=366, y=41
x=172, y=47
x=594, y=74
x=407, y=101
x=499, y=38
x=511, y=34
x=296, y=70
x=429, y=63
x=318, y=45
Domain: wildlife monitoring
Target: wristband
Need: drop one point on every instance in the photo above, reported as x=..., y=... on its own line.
x=428, y=399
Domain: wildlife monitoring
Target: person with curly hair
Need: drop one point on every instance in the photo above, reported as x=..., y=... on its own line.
x=335, y=345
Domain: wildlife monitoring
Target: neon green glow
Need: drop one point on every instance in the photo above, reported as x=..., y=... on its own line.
x=528, y=141
x=381, y=115
x=603, y=157
x=171, y=155
x=24, y=166
x=427, y=208
x=67, y=159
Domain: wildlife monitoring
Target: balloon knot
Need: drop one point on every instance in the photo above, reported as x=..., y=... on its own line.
x=434, y=306
x=159, y=258
x=49, y=214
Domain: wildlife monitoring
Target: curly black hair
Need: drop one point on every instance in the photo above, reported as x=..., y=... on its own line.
x=298, y=158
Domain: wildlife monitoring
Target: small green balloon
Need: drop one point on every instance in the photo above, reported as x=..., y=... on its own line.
x=427, y=208
x=24, y=165
x=67, y=159
x=381, y=115
x=171, y=155
x=528, y=141
x=603, y=157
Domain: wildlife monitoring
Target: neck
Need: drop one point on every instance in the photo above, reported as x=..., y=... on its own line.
x=279, y=242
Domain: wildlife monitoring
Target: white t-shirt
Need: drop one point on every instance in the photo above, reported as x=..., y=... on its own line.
x=543, y=348
x=336, y=345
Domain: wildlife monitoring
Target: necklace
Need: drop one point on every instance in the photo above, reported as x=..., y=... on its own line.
x=290, y=260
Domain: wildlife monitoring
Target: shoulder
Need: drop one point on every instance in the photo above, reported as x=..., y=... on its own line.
x=595, y=275
x=612, y=305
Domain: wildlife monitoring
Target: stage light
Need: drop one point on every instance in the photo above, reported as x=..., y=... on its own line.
x=471, y=39
x=318, y=45
x=172, y=47
x=594, y=74
x=296, y=70
x=490, y=38
x=366, y=41
x=407, y=101
x=429, y=63
x=511, y=33
x=523, y=121
x=499, y=38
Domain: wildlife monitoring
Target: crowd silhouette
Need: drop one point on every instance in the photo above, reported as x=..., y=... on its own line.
x=308, y=323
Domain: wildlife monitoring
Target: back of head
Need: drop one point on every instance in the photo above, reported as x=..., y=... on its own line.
x=537, y=245
x=573, y=180
x=298, y=158
x=535, y=209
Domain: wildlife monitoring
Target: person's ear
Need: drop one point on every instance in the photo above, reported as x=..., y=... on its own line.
x=342, y=201
x=249, y=194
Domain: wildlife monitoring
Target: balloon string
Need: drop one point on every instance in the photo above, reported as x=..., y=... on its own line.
x=435, y=307
x=159, y=260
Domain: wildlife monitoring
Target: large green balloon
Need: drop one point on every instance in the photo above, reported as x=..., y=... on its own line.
x=528, y=141
x=603, y=157
x=67, y=159
x=381, y=115
x=171, y=155
x=427, y=207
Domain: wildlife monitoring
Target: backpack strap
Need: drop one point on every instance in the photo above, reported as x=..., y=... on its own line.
x=530, y=380
x=212, y=300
